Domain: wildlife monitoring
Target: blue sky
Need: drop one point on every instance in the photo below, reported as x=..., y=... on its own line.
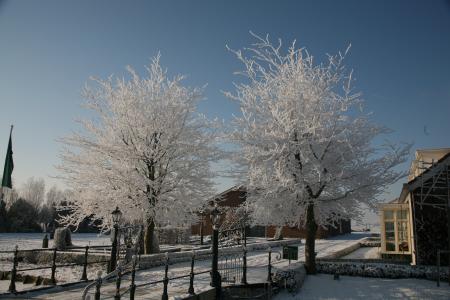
x=48, y=49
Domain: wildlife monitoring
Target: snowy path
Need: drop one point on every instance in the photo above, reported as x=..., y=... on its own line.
x=323, y=287
x=257, y=272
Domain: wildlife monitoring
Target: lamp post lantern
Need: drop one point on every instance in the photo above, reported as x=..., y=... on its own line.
x=116, y=216
x=215, y=276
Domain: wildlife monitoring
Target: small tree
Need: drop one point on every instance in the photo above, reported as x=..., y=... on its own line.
x=307, y=147
x=147, y=151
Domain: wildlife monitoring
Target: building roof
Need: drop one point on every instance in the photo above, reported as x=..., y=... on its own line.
x=424, y=158
x=425, y=175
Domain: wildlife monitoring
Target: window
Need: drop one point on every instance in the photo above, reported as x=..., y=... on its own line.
x=396, y=235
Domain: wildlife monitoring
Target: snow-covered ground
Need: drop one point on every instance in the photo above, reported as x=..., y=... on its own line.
x=257, y=271
x=323, y=287
x=34, y=240
x=364, y=253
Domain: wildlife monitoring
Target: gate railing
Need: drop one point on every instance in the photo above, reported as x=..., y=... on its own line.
x=129, y=258
x=231, y=268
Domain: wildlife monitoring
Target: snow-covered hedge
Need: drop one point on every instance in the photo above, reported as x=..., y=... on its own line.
x=382, y=270
x=290, y=277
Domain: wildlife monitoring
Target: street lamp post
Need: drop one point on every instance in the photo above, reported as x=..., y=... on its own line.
x=215, y=275
x=202, y=220
x=116, y=215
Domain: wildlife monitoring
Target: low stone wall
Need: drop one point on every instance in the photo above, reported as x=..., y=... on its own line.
x=45, y=257
x=344, y=251
x=26, y=279
x=370, y=242
x=380, y=270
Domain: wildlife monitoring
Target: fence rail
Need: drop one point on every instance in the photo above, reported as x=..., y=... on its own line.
x=90, y=255
x=231, y=265
x=18, y=256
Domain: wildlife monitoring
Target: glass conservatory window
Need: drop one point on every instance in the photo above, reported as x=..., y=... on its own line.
x=402, y=228
x=396, y=230
x=389, y=230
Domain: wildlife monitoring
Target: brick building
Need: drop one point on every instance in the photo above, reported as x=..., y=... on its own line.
x=235, y=196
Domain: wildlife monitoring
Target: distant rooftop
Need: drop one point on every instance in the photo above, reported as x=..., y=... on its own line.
x=424, y=159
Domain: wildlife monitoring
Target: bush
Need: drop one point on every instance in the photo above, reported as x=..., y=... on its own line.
x=22, y=217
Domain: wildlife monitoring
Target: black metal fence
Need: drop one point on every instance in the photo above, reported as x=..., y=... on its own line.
x=117, y=278
x=231, y=267
x=129, y=240
x=19, y=258
x=232, y=270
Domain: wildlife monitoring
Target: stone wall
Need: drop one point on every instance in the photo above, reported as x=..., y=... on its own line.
x=159, y=259
x=172, y=236
x=381, y=270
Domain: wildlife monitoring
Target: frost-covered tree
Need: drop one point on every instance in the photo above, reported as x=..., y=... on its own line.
x=306, y=147
x=147, y=150
x=33, y=191
x=54, y=195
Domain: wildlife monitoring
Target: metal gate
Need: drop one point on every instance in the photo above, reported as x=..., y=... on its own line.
x=231, y=267
x=129, y=242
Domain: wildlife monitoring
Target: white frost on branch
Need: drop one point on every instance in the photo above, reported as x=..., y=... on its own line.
x=147, y=150
x=304, y=138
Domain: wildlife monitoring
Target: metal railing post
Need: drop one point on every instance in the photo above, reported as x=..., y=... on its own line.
x=53, y=279
x=12, y=284
x=165, y=296
x=98, y=285
x=133, y=276
x=84, y=275
x=269, y=267
x=113, y=258
x=118, y=281
x=215, y=275
x=191, y=277
x=244, y=266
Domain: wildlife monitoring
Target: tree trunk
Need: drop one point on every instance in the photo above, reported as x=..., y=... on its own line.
x=311, y=230
x=151, y=243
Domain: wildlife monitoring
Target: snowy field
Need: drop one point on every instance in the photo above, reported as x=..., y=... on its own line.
x=323, y=287
x=34, y=240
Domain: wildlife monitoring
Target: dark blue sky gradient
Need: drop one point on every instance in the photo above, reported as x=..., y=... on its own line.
x=48, y=49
